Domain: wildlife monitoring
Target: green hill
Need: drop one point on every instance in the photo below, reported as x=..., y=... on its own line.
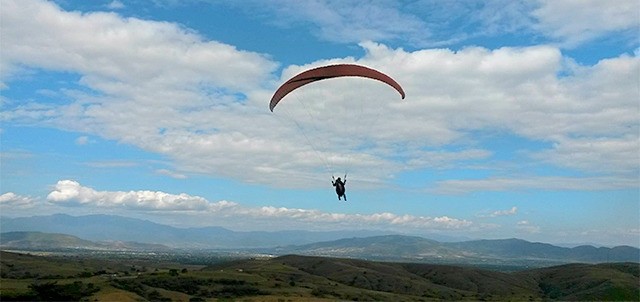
x=305, y=278
x=416, y=280
x=580, y=282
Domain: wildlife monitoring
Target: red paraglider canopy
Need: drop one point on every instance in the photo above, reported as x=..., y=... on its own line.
x=328, y=72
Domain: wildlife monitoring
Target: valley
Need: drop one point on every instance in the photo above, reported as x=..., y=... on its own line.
x=157, y=277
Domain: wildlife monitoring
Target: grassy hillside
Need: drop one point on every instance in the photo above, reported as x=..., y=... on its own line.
x=304, y=278
x=609, y=281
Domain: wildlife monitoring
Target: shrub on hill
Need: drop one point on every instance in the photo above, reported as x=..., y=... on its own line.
x=52, y=291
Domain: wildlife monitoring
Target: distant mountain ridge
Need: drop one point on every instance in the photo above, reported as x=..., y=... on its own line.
x=39, y=240
x=52, y=241
x=357, y=244
x=513, y=248
x=111, y=227
x=411, y=248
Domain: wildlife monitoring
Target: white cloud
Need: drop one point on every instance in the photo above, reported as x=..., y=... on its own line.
x=182, y=99
x=454, y=95
x=576, y=21
x=115, y=4
x=71, y=193
x=103, y=44
x=509, y=212
x=68, y=192
x=344, y=21
x=13, y=200
x=432, y=23
x=601, y=154
x=368, y=220
x=112, y=164
x=463, y=186
x=170, y=173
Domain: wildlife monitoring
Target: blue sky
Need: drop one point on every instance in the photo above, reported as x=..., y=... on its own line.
x=522, y=118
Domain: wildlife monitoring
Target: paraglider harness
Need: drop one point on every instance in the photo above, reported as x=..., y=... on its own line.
x=339, y=184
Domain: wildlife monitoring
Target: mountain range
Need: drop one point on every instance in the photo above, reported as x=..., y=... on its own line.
x=501, y=251
x=51, y=241
x=107, y=232
x=112, y=227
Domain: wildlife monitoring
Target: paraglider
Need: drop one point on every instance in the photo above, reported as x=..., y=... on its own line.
x=330, y=72
x=339, y=184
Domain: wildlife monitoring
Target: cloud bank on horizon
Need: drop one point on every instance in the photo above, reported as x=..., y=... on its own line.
x=68, y=193
x=530, y=113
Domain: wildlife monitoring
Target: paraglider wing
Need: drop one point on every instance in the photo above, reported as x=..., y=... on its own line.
x=328, y=72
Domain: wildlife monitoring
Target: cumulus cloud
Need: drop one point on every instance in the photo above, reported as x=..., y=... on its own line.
x=167, y=90
x=72, y=193
x=104, y=43
x=69, y=192
x=376, y=219
x=14, y=200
